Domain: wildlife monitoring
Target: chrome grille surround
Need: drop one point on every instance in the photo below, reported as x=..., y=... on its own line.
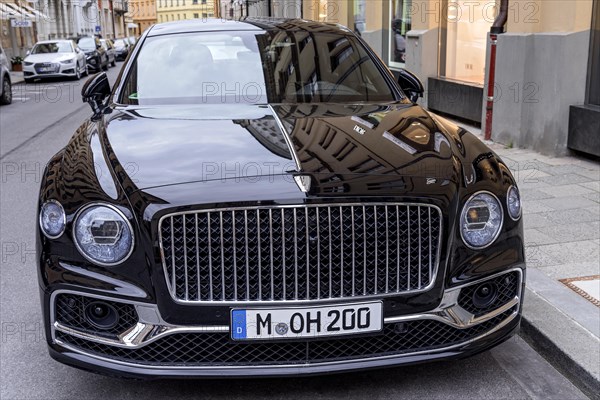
x=300, y=253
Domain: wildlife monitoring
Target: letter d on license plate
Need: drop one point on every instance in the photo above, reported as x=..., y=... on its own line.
x=304, y=322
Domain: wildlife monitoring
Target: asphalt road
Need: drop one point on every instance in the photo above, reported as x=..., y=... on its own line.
x=40, y=122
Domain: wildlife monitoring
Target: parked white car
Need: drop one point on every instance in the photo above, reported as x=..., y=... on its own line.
x=54, y=58
x=5, y=83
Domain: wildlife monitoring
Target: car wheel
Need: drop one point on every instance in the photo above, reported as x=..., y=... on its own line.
x=6, y=97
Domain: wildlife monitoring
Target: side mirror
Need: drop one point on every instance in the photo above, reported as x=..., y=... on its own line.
x=411, y=85
x=28, y=52
x=95, y=91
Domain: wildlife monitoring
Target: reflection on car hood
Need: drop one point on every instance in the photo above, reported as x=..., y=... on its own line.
x=163, y=146
x=49, y=57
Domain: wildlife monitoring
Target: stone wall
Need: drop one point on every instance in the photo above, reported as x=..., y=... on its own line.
x=538, y=77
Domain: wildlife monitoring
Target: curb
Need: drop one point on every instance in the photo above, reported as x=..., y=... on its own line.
x=563, y=328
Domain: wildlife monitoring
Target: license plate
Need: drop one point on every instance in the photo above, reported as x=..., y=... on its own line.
x=46, y=69
x=303, y=322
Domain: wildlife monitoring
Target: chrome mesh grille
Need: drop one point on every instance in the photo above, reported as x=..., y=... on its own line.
x=215, y=349
x=300, y=252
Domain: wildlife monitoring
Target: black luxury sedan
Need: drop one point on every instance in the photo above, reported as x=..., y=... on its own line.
x=263, y=198
x=95, y=54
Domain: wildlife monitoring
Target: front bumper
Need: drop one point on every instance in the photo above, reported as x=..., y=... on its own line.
x=94, y=63
x=59, y=70
x=155, y=348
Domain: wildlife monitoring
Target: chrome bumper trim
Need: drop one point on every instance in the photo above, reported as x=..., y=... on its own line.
x=152, y=327
x=284, y=369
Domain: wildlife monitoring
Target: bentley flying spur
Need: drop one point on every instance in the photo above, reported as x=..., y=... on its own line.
x=263, y=198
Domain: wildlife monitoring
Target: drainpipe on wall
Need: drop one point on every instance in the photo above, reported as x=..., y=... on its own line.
x=497, y=29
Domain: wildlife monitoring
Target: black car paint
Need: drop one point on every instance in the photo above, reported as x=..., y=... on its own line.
x=99, y=55
x=114, y=160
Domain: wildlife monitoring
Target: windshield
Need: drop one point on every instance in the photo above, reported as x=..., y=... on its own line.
x=268, y=67
x=54, y=47
x=87, y=44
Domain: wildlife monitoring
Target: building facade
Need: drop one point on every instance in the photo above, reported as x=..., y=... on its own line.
x=547, y=65
x=177, y=10
x=23, y=23
x=142, y=15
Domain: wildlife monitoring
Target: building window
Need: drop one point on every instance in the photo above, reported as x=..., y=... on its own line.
x=196, y=15
x=184, y=16
x=400, y=16
x=177, y=3
x=203, y=1
x=463, y=41
x=194, y=1
x=204, y=15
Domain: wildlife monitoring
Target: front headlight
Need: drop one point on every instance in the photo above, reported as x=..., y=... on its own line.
x=103, y=234
x=481, y=220
x=52, y=219
x=27, y=63
x=513, y=203
x=71, y=61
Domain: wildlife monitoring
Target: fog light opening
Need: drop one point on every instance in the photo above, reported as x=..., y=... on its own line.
x=400, y=328
x=101, y=315
x=485, y=295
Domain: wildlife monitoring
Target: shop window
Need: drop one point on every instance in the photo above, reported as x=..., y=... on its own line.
x=463, y=38
x=400, y=24
x=360, y=17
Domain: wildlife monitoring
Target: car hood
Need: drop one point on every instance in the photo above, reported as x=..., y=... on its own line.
x=376, y=146
x=49, y=57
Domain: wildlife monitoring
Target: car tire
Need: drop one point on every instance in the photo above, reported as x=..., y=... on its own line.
x=6, y=97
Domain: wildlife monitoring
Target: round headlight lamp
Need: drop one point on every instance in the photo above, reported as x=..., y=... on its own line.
x=513, y=203
x=481, y=220
x=103, y=235
x=52, y=219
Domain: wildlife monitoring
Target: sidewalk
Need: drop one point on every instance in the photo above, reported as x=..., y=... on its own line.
x=561, y=215
x=16, y=77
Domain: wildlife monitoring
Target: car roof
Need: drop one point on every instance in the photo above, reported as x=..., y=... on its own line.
x=247, y=24
x=53, y=41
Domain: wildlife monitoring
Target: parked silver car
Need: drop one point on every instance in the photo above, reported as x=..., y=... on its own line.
x=5, y=82
x=54, y=58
